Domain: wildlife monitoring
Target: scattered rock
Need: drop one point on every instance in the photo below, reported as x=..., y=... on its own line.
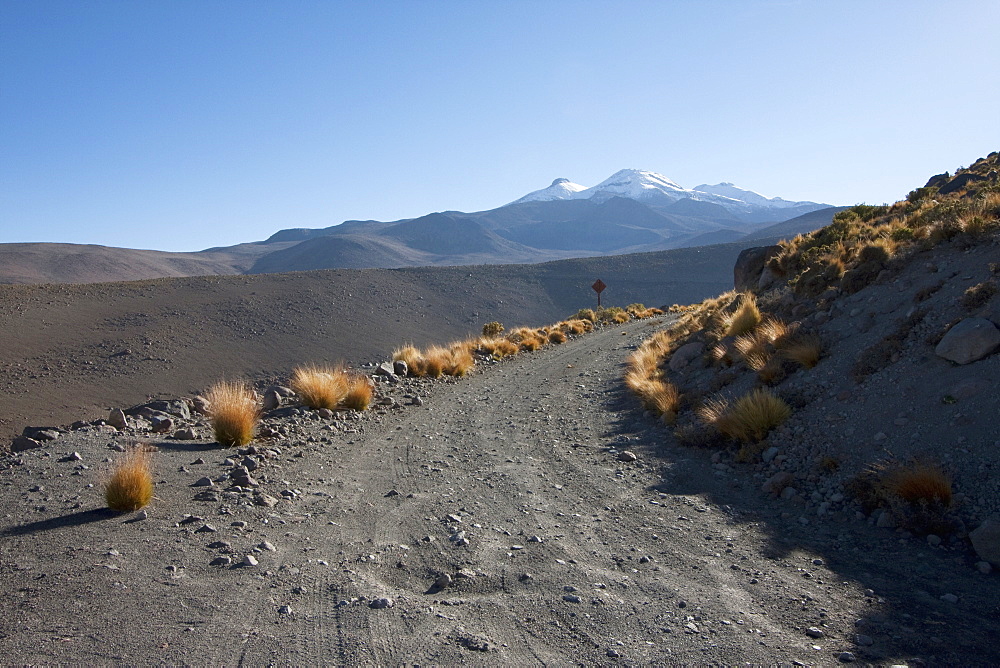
x=778, y=482
x=221, y=561
x=265, y=500
x=986, y=541
x=685, y=355
x=116, y=418
x=768, y=455
x=984, y=567
x=571, y=598
x=970, y=340
x=249, y=560
x=815, y=632
x=846, y=657
x=627, y=456
x=186, y=434
x=949, y=598
x=271, y=400
x=201, y=405
x=267, y=546
x=443, y=581
x=285, y=610
x=400, y=368
x=386, y=370
x=22, y=443
x=381, y=603
x=206, y=528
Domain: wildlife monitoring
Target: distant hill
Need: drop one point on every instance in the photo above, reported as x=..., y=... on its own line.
x=631, y=211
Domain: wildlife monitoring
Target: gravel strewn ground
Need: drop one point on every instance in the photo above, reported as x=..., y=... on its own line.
x=500, y=521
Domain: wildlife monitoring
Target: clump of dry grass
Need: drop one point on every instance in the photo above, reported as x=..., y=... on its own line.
x=749, y=419
x=359, y=393
x=745, y=318
x=415, y=363
x=645, y=379
x=460, y=359
x=130, y=486
x=978, y=295
x=436, y=359
x=557, y=336
x=320, y=386
x=234, y=412
x=920, y=483
x=805, y=350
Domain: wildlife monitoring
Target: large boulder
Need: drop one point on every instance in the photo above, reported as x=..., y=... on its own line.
x=986, y=540
x=970, y=340
x=750, y=264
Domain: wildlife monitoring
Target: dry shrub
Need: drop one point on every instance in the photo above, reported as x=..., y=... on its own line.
x=359, y=393
x=805, y=350
x=234, y=412
x=721, y=354
x=774, y=330
x=750, y=418
x=414, y=360
x=745, y=318
x=656, y=394
x=320, y=386
x=772, y=372
x=557, y=336
x=460, y=360
x=492, y=329
x=586, y=314
x=752, y=345
x=920, y=483
x=130, y=486
x=978, y=225
x=577, y=326
x=504, y=348
x=978, y=295
x=436, y=360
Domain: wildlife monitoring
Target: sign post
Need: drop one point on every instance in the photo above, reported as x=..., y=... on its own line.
x=598, y=287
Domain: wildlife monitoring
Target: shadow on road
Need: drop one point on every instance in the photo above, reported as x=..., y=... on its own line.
x=61, y=522
x=903, y=617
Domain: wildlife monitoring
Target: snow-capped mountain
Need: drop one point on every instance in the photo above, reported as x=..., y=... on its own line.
x=655, y=189
x=750, y=197
x=635, y=184
x=560, y=189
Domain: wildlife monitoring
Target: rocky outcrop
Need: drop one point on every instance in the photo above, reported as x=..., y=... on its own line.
x=750, y=264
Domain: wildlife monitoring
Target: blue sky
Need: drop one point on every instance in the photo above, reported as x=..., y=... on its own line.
x=187, y=124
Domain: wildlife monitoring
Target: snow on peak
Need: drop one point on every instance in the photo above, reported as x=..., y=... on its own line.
x=560, y=189
x=636, y=183
x=726, y=189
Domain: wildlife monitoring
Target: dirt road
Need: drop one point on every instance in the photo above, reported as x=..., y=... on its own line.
x=507, y=490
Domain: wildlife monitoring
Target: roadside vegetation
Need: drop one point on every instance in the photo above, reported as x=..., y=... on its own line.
x=718, y=370
x=130, y=485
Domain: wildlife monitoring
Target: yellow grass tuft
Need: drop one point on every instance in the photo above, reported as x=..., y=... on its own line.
x=745, y=318
x=505, y=348
x=130, y=486
x=804, y=350
x=359, y=393
x=750, y=418
x=557, y=336
x=320, y=386
x=920, y=483
x=414, y=360
x=234, y=412
x=460, y=359
x=436, y=360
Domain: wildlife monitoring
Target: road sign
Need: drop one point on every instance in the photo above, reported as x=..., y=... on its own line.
x=598, y=287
